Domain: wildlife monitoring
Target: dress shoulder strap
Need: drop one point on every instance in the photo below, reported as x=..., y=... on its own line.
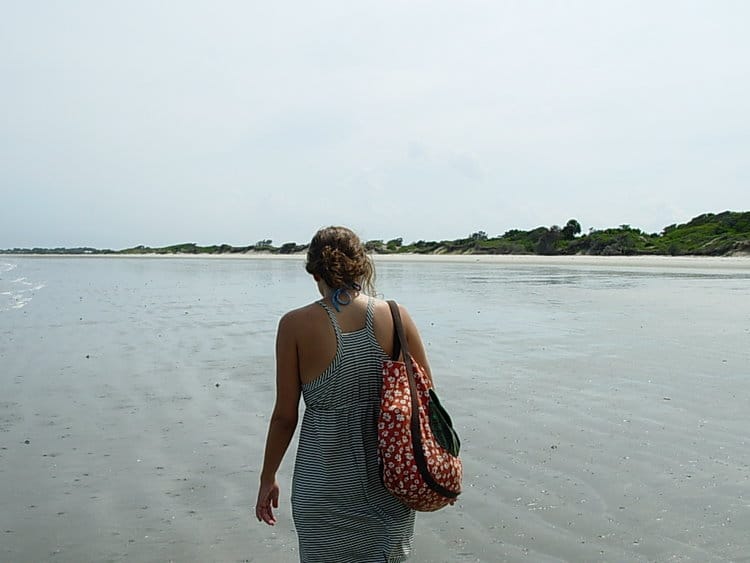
x=332, y=317
x=370, y=315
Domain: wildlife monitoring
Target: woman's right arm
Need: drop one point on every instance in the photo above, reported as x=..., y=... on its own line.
x=283, y=420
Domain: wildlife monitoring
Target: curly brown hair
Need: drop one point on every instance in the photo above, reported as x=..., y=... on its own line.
x=337, y=255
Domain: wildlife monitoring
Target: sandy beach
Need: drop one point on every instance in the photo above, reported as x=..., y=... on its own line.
x=740, y=262
x=133, y=416
x=701, y=262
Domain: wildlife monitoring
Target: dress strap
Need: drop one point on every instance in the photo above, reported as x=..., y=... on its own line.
x=370, y=314
x=334, y=320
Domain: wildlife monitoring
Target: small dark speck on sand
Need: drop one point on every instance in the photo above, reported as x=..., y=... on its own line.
x=667, y=398
x=217, y=385
x=27, y=441
x=88, y=356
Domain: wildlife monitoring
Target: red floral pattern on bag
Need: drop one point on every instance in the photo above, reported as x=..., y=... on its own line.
x=401, y=475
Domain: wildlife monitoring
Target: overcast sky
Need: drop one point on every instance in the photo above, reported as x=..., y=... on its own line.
x=144, y=122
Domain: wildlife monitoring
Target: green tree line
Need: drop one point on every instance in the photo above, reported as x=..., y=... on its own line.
x=707, y=235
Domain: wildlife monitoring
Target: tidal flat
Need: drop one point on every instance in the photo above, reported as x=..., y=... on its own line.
x=603, y=406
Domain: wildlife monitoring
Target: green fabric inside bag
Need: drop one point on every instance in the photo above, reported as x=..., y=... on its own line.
x=442, y=426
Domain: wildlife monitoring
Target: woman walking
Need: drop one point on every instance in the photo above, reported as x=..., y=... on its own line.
x=331, y=352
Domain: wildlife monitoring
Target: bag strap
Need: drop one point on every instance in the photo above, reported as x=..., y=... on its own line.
x=401, y=343
x=416, y=432
x=396, y=343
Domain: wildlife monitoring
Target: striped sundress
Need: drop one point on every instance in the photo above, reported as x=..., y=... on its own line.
x=341, y=510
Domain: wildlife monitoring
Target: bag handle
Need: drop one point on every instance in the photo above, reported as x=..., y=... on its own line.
x=396, y=341
x=416, y=431
x=402, y=344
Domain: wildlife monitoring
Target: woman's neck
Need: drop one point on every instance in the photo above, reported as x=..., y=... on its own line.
x=341, y=297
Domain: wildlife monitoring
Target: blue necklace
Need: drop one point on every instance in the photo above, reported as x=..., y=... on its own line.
x=341, y=296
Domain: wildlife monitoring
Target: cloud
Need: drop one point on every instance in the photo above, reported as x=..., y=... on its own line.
x=158, y=123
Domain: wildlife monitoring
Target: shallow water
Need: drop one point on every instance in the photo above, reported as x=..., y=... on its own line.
x=603, y=410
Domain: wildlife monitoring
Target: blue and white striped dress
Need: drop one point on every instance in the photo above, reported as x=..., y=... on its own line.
x=341, y=510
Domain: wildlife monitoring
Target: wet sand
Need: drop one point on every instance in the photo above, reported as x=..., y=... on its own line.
x=140, y=439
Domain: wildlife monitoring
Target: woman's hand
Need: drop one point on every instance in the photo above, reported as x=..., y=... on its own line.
x=268, y=499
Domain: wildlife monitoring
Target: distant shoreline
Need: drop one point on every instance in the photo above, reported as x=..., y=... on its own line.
x=725, y=234
x=638, y=261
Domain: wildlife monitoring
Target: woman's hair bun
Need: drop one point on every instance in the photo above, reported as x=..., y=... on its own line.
x=337, y=255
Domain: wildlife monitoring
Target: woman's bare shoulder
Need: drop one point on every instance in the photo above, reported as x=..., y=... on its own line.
x=382, y=306
x=383, y=313
x=302, y=315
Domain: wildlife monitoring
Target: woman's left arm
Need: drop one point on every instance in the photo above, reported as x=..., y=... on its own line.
x=283, y=420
